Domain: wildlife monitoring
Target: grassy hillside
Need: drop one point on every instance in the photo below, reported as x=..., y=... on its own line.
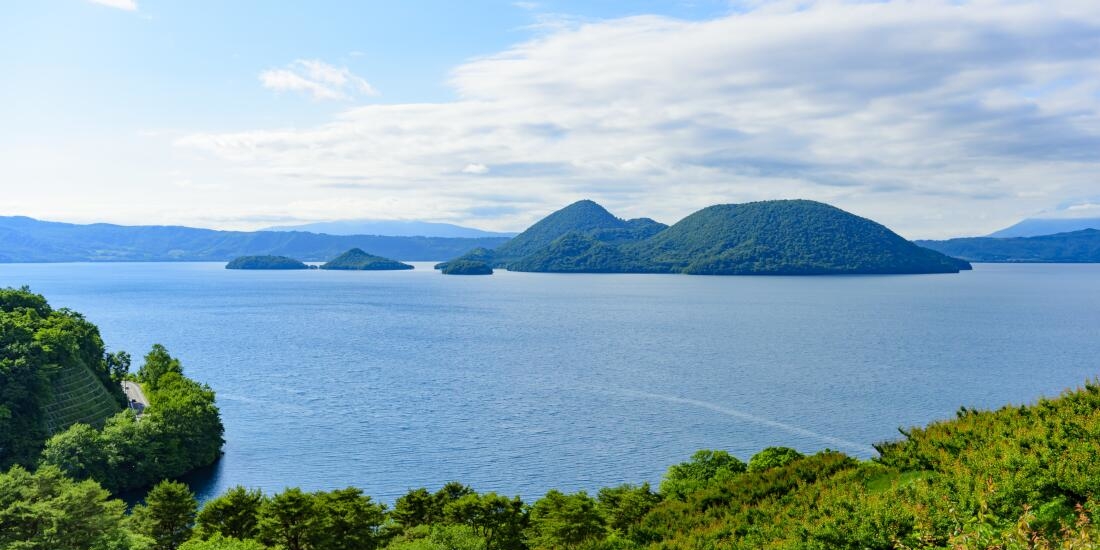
x=1075, y=247
x=583, y=217
x=357, y=260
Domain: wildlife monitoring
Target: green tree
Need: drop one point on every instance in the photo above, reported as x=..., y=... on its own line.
x=288, y=519
x=118, y=363
x=499, y=519
x=565, y=521
x=167, y=515
x=623, y=507
x=218, y=542
x=347, y=520
x=158, y=362
x=772, y=457
x=234, y=514
x=79, y=452
x=45, y=510
x=705, y=466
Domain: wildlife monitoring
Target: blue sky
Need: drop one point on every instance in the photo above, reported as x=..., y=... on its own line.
x=936, y=118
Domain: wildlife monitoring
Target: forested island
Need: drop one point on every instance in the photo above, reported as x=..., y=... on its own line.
x=357, y=260
x=62, y=406
x=786, y=237
x=265, y=262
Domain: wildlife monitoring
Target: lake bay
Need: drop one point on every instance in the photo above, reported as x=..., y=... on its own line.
x=521, y=382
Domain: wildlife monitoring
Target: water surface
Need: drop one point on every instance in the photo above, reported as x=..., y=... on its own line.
x=518, y=382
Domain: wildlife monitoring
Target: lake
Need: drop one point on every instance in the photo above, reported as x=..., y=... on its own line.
x=518, y=382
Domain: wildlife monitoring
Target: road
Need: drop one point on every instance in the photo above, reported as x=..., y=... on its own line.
x=136, y=397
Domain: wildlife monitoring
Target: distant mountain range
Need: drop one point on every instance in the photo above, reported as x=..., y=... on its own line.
x=789, y=237
x=25, y=239
x=1034, y=227
x=391, y=228
x=1073, y=247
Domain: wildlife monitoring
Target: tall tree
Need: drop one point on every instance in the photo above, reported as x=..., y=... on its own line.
x=167, y=515
x=234, y=514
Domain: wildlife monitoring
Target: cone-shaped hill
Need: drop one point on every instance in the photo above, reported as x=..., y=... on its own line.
x=357, y=260
x=584, y=217
x=783, y=237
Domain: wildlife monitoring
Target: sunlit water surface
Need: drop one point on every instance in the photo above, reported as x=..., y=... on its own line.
x=518, y=382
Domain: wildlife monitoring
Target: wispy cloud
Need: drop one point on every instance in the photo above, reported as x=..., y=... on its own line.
x=128, y=5
x=317, y=78
x=936, y=117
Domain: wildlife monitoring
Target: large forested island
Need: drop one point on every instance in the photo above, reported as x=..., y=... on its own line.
x=787, y=237
x=357, y=260
x=265, y=262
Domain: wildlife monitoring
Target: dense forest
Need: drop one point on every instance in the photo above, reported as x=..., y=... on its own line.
x=788, y=237
x=46, y=421
x=1074, y=247
x=1021, y=477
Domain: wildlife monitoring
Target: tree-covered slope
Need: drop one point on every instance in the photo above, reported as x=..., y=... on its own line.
x=1075, y=247
x=785, y=237
x=265, y=262
x=28, y=240
x=54, y=372
x=357, y=260
x=580, y=217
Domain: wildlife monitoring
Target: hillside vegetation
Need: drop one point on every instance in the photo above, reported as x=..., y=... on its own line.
x=54, y=372
x=1021, y=477
x=1075, y=247
x=61, y=402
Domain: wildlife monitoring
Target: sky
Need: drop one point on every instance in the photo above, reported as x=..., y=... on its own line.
x=937, y=118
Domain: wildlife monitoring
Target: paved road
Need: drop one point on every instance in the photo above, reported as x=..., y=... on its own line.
x=135, y=395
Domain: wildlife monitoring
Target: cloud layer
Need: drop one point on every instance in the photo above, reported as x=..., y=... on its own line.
x=937, y=118
x=317, y=78
x=128, y=5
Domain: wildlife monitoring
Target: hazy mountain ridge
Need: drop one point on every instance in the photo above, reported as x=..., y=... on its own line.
x=25, y=239
x=1036, y=227
x=1074, y=247
x=392, y=228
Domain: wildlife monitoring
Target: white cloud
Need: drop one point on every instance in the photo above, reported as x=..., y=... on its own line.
x=475, y=169
x=937, y=118
x=319, y=79
x=128, y=5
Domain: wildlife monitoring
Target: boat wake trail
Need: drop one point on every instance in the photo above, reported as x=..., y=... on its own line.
x=863, y=450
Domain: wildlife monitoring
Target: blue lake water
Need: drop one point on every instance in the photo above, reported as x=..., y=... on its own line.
x=518, y=383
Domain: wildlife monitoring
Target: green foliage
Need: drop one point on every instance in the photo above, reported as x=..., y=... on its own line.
x=499, y=520
x=167, y=515
x=623, y=507
x=347, y=520
x=466, y=267
x=580, y=217
x=288, y=519
x=158, y=362
x=218, y=542
x=477, y=255
x=1072, y=247
x=47, y=511
x=53, y=373
x=233, y=514
x=559, y=520
x=180, y=430
x=705, y=467
x=357, y=260
x=772, y=457
x=265, y=262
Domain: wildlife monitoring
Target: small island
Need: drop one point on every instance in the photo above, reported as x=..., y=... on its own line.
x=466, y=267
x=265, y=262
x=357, y=260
